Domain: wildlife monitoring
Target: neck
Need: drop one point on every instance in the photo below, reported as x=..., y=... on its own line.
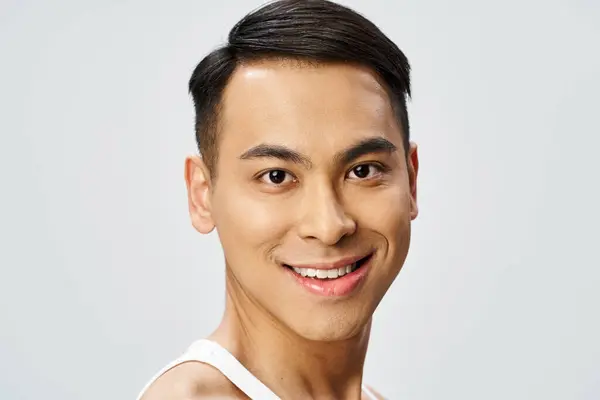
x=290, y=365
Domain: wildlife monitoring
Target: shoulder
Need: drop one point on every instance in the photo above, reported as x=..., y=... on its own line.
x=192, y=380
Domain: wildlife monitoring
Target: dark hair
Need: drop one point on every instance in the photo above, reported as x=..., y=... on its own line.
x=306, y=30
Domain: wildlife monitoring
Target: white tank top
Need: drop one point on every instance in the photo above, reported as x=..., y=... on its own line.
x=211, y=353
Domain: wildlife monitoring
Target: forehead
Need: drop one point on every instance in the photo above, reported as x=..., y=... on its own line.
x=305, y=106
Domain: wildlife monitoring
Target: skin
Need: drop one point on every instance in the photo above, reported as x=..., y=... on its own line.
x=301, y=345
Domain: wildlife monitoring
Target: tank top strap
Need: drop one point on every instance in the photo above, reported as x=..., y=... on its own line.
x=215, y=355
x=368, y=392
x=212, y=353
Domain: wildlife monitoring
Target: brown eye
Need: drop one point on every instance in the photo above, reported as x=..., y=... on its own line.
x=276, y=177
x=365, y=171
x=368, y=171
x=361, y=171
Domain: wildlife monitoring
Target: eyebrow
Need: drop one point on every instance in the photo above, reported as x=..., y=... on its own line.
x=366, y=146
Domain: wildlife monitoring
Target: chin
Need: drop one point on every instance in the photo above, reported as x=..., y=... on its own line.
x=333, y=327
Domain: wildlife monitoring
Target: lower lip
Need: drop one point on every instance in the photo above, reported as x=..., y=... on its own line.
x=342, y=286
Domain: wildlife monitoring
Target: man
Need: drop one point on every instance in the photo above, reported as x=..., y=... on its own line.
x=308, y=175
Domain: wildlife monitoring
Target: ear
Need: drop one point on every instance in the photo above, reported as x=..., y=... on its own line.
x=197, y=180
x=413, y=171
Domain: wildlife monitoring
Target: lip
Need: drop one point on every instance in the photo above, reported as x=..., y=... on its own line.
x=332, y=265
x=338, y=287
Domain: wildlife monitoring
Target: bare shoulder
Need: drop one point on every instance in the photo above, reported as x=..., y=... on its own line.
x=192, y=381
x=378, y=395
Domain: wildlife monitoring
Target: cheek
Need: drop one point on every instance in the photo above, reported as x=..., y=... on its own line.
x=248, y=222
x=388, y=213
x=390, y=219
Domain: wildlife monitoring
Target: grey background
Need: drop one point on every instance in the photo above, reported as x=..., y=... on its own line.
x=103, y=279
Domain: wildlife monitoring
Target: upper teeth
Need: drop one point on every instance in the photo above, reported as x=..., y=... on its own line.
x=325, y=273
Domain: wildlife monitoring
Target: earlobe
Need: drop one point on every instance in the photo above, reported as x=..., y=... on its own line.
x=413, y=171
x=198, y=183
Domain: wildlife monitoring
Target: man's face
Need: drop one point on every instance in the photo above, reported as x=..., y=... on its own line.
x=312, y=175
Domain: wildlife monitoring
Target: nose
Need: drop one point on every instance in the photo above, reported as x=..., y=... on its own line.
x=323, y=217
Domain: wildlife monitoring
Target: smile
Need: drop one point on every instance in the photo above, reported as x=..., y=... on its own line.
x=332, y=279
x=329, y=273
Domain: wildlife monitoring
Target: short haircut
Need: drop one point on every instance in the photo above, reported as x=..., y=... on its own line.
x=314, y=31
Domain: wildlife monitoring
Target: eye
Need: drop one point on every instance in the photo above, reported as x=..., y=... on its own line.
x=365, y=171
x=276, y=177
